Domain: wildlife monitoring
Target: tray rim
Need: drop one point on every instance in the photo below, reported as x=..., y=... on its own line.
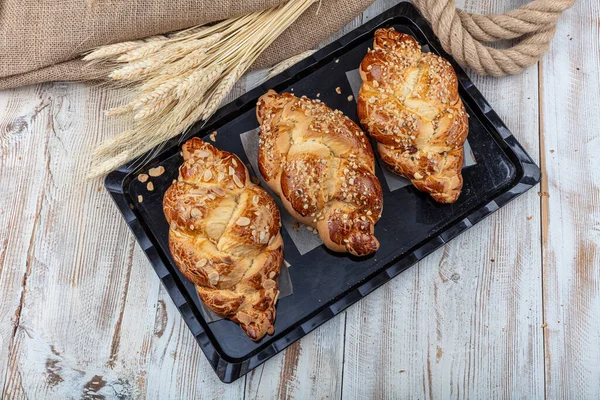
x=229, y=369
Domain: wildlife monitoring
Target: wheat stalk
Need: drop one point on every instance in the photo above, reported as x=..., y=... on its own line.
x=285, y=64
x=183, y=77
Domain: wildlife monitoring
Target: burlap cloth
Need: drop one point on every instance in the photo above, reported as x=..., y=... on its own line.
x=41, y=40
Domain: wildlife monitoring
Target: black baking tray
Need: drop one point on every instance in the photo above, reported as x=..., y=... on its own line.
x=325, y=283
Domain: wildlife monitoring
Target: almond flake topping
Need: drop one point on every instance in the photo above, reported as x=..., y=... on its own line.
x=158, y=171
x=243, y=221
x=237, y=181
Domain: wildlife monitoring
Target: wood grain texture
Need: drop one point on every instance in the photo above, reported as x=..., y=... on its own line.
x=83, y=315
x=23, y=112
x=571, y=208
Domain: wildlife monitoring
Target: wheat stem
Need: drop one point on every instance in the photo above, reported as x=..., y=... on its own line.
x=285, y=64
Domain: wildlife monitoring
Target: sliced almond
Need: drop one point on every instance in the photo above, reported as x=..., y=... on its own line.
x=211, y=196
x=150, y=186
x=140, y=198
x=213, y=277
x=173, y=226
x=196, y=213
x=220, y=177
x=269, y=284
x=158, y=171
x=202, y=153
x=143, y=178
x=219, y=191
x=234, y=162
x=201, y=262
x=272, y=274
x=243, y=317
x=243, y=221
x=255, y=199
x=231, y=170
x=237, y=181
x=262, y=237
x=418, y=176
x=207, y=175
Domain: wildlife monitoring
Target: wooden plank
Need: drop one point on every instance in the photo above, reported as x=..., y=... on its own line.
x=465, y=322
x=571, y=213
x=78, y=277
x=23, y=112
x=94, y=322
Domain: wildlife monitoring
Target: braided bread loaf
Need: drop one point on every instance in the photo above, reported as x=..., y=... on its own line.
x=224, y=237
x=322, y=166
x=409, y=103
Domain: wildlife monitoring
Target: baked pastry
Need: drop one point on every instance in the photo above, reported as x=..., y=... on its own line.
x=224, y=236
x=409, y=104
x=322, y=167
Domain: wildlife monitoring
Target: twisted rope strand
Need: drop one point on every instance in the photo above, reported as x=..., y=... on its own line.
x=463, y=34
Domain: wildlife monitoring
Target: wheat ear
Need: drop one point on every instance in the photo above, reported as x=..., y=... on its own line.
x=197, y=83
x=112, y=50
x=137, y=70
x=152, y=109
x=160, y=93
x=224, y=87
x=118, y=111
x=142, y=51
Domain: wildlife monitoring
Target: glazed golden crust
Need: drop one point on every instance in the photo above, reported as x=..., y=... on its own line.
x=322, y=166
x=409, y=104
x=224, y=237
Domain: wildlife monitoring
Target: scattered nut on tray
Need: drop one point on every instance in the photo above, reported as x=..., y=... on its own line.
x=158, y=171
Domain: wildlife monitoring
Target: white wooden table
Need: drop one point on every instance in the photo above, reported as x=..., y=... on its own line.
x=510, y=308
